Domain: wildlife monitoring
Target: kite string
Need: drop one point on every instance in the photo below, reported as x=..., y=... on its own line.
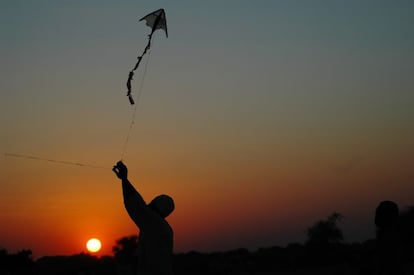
x=141, y=87
x=54, y=160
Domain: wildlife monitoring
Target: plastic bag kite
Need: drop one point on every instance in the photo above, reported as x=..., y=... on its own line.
x=155, y=20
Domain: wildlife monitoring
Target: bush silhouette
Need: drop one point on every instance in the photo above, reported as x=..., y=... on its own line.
x=325, y=232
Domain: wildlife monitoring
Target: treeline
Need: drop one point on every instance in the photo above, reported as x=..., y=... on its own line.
x=238, y=261
x=324, y=249
x=275, y=259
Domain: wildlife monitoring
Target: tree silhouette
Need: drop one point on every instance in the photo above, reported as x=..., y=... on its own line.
x=125, y=254
x=325, y=232
x=125, y=248
x=18, y=262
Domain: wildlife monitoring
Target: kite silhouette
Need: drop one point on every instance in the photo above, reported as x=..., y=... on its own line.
x=155, y=20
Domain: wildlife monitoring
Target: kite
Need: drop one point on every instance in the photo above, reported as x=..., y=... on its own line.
x=155, y=20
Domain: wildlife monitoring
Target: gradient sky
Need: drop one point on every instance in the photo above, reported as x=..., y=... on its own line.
x=258, y=117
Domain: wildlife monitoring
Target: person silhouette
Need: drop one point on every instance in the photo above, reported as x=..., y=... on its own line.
x=388, y=242
x=155, y=241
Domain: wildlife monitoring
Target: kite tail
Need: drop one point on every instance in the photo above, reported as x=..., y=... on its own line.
x=131, y=73
x=139, y=94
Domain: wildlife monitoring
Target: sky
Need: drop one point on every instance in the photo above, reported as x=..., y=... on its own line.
x=258, y=117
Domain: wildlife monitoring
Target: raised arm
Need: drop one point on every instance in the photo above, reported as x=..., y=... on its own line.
x=133, y=201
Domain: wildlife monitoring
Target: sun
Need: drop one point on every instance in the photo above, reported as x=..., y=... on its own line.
x=93, y=245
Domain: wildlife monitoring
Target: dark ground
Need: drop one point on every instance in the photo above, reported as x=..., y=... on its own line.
x=295, y=259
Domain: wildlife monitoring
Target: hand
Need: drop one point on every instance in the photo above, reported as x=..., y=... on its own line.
x=120, y=170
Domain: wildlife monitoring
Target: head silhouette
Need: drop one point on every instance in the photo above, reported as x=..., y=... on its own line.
x=163, y=205
x=386, y=214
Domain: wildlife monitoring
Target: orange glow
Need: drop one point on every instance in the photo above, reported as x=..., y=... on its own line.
x=214, y=208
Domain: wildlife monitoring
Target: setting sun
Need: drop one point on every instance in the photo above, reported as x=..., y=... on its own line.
x=93, y=245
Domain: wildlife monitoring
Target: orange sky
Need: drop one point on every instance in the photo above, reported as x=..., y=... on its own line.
x=55, y=209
